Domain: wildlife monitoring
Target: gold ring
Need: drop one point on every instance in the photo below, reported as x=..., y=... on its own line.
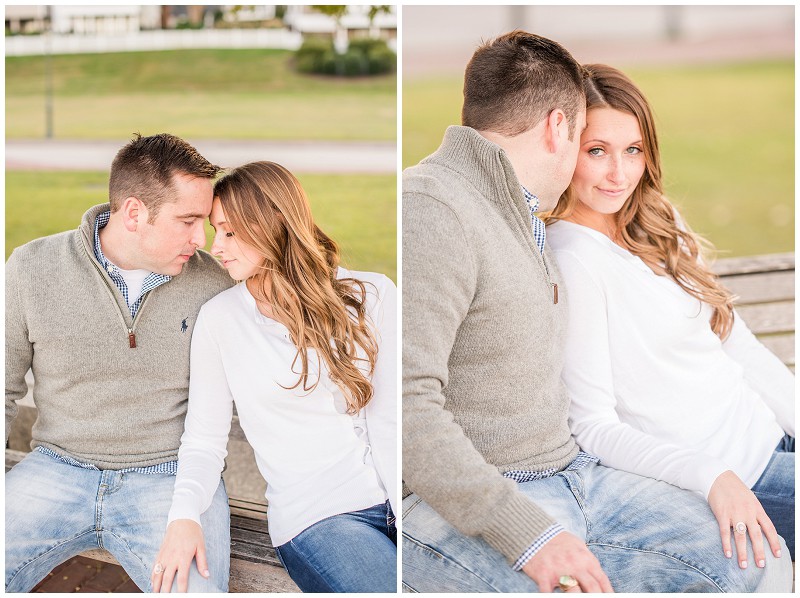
x=567, y=582
x=740, y=528
x=158, y=569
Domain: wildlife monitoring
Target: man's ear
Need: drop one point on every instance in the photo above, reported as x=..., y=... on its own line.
x=134, y=213
x=556, y=130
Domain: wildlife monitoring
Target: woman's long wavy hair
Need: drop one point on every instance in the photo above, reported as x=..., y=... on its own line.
x=648, y=225
x=267, y=208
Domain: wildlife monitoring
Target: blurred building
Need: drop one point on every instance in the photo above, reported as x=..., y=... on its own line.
x=354, y=23
x=103, y=20
x=120, y=19
x=26, y=19
x=127, y=28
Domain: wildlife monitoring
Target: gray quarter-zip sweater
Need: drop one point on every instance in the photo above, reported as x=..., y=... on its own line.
x=483, y=343
x=99, y=400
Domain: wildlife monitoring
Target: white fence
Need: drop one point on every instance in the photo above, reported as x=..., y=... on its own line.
x=26, y=45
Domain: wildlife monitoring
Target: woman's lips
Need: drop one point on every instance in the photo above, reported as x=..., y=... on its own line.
x=612, y=192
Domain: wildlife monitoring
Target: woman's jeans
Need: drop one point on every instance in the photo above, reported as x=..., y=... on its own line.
x=649, y=536
x=351, y=552
x=775, y=490
x=55, y=511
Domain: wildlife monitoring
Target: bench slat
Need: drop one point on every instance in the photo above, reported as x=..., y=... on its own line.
x=754, y=263
x=254, y=577
x=769, y=318
x=762, y=287
x=252, y=545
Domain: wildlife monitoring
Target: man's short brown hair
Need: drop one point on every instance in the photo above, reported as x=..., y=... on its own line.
x=144, y=169
x=514, y=81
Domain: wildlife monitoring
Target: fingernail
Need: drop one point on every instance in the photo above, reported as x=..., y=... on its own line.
x=744, y=564
x=728, y=553
x=761, y=563
x=778, y=554
x=205, y=573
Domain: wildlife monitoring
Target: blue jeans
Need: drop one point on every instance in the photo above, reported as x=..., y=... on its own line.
x=351, y=552
x=55, y=511
x=649, y=536
x=775, y=490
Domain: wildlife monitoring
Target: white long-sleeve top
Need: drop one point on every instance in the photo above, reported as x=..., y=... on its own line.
x=653, y=390
x=317, y=460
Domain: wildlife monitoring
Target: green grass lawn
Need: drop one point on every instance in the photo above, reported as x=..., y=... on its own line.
x=235, y=94
x=358, y=211
x=727, y=144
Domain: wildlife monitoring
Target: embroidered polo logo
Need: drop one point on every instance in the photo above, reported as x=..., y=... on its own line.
x=184, y=325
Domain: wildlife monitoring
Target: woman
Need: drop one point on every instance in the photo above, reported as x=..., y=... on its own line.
x=306, y=351
x=665, y=378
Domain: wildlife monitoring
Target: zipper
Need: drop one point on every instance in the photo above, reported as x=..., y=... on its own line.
x=552, y=284
x=131, y=331
x=103, y=274
x=529, y=240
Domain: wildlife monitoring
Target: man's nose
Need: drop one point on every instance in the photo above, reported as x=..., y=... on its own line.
x=199, y=235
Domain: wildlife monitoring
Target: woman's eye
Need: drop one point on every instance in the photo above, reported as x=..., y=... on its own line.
x=595, y=151
x=229, y=234
x=634, y=150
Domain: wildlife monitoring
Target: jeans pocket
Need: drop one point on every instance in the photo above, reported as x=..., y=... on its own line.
x=409, y=502
x=391, y=523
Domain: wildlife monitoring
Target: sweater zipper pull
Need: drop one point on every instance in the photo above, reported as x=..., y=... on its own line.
x=131, y=338
x=555, y=293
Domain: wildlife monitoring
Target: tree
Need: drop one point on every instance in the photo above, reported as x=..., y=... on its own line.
x=337, y=12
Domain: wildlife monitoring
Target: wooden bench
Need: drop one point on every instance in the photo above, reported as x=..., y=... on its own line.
x=254, y=564
x=764, y=285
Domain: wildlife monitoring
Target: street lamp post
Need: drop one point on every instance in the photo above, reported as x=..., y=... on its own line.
x=48, y=76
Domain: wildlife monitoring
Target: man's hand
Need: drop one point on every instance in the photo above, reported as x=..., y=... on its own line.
x=565, y=554
x=182, y=543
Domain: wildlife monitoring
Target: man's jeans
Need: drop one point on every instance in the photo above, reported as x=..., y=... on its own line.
x=351, y=552
x=55, y=511
x=775, y=490
x=649, y=536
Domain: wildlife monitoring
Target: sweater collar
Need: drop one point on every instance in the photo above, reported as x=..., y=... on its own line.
x=483, y=164
x=87, y=227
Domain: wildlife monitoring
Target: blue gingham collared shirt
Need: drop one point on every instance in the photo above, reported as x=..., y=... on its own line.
x=168, y=468
x=537, y=224
x=152, y=281
x=581, y=460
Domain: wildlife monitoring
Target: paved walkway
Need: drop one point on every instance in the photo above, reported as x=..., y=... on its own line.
x=80, y=574
x=377, y=157
x=420, y=60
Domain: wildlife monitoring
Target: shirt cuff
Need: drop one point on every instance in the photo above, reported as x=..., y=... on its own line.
x=184, y=506
x=537, y=545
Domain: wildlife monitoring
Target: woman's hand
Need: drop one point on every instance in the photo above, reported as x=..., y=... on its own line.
x=732, y=503
x=182, y=543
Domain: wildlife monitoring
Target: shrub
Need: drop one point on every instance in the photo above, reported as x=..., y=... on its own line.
x=381, y=60
x=363, y=57
x=311, y=56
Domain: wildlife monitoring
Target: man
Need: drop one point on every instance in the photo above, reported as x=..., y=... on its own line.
x=497, y=495
x=104, y=317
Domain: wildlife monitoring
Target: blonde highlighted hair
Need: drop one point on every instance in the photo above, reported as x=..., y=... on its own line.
x=648, y=225
x=267, y=209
